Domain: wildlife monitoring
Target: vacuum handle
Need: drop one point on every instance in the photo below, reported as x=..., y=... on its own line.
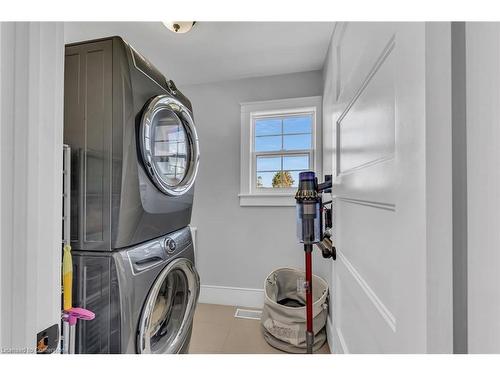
x=326, y=187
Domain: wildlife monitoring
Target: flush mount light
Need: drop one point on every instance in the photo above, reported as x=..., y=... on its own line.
x=179, y=27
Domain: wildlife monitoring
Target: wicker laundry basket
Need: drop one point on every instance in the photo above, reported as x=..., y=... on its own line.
x=283, y=319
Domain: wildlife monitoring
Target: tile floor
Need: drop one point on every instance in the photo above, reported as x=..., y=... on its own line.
x=216, y=330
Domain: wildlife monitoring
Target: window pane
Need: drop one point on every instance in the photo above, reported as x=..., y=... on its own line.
x=268, y=143
x=277, y=179
x=297, y=142
x=272, y=163
x=265, y=179
x=267, y=126
x=295, y=163
x=295, y=177
x=297, y=124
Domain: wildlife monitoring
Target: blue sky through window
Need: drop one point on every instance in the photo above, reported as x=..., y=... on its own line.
x=268, y=126
x=281, y=135
x=295, y=163
x=285, y=162
x=297, y=142
x=268, y=143
x=271, y=163
x=298, y=124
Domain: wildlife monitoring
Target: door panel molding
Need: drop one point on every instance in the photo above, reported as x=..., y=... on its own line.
x=385, y=313
x=376, y=66
x=368, y=203
x=384, y=151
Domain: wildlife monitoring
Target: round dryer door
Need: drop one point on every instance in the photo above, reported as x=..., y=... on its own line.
x=169, y=145
x=167, y=316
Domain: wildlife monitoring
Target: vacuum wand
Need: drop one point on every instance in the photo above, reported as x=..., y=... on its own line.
x=309, y=232
x=309, y=300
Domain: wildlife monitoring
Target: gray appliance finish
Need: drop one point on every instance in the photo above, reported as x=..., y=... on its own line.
x=144, y=297
x=134, y=147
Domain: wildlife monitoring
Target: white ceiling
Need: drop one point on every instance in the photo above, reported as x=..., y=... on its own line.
x=219, y=51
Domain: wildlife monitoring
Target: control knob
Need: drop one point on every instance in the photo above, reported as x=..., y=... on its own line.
x=170, y=245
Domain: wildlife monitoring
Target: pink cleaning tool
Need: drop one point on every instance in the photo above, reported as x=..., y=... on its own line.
x=72, y=315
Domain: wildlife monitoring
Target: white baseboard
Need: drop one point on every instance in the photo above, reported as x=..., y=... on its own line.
x=341, y=340
x=232, y=296
x=330, y=336
x=336, y=340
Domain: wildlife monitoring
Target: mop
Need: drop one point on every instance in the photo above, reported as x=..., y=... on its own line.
x=70, y=314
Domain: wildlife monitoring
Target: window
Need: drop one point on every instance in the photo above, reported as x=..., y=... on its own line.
x=282, y=149
x=279, y=140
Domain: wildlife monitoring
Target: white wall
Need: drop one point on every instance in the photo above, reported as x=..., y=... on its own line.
x=239, y=246
x=31, y=108
x=483, y=186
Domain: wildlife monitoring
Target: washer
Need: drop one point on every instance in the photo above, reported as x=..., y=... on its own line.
x=135, y=150
x=144, y=297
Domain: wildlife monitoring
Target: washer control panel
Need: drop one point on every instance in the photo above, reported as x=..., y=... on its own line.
x=175, y=242
x=169, y=245
x=158, y=251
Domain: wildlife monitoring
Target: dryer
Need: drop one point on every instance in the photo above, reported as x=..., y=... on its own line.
x=135, y=150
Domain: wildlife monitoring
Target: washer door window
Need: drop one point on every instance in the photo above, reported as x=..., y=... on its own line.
x=169, y=145
x=167, y=315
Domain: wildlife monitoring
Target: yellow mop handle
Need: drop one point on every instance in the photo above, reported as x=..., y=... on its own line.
x=67, y=274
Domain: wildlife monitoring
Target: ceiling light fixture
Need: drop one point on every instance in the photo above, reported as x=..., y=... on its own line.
x=179, y=27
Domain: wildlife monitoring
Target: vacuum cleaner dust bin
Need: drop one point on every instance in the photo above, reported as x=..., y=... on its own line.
x=283, y=319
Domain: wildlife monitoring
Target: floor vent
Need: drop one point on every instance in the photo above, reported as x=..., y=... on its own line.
x=248, y=314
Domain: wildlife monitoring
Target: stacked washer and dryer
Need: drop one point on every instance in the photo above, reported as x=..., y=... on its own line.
x=135, y=157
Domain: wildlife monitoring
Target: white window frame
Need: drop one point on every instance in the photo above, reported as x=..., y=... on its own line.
x=250, y=194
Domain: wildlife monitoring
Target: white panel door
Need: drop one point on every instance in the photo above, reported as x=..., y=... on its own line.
x=31, y=133
x=378, y=99
x=483, y=186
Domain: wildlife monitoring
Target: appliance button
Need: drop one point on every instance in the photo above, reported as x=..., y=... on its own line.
x=170, y=245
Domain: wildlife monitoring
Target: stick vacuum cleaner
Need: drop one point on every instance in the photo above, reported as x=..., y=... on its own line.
x=310, y=232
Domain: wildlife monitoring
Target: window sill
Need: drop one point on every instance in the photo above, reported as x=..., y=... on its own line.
x=270, y=200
